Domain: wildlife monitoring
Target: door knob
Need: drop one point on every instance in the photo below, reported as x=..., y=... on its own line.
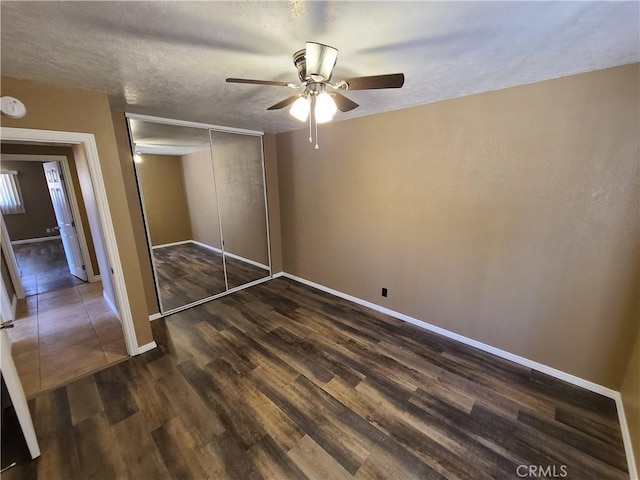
x=4, y=325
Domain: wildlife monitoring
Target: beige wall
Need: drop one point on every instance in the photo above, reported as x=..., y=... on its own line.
x=75, y=184
x=165, y=200
x=52, y=107
x=631, y=398
x=200, y=191
x=38, y=215
x=509, y=217
x=240, y=186
x=137, y=223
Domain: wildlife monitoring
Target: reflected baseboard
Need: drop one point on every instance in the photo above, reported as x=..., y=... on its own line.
x=182, y=242
x=215, y=249
x=232, y=255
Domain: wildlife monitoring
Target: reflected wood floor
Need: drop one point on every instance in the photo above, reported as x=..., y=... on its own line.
x=189, y=272
x=283, y=381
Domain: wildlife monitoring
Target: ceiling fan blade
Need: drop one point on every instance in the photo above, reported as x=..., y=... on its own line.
x=258, y=82
x=320, y=60
x=343, y=103
x=392, y=80
x=284, y=103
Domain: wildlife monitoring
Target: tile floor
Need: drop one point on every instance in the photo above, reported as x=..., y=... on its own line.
x=43, y=267
x=64, y=334
x=64, y=329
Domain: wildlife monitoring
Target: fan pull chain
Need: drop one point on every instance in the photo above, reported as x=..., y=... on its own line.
x=310, y=140
x=317, y=147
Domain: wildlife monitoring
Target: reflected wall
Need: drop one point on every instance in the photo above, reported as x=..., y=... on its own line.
x=203, y=198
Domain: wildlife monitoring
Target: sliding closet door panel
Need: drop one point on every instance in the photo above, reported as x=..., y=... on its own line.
x=239, y=177
x=175, y=177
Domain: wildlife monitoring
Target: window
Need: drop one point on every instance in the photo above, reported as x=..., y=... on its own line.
x=10, y=194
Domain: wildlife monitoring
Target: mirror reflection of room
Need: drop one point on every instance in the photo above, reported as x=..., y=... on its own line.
x=175, y=174
x=202, y=195
x=240, y=192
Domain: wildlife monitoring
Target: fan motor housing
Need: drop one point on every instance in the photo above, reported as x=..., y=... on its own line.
x=299, y=60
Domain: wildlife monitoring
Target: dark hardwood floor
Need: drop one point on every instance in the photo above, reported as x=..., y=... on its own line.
x=189, y=272
x=283, y=381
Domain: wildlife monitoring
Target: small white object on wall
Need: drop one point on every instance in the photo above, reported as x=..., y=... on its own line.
x=12, y=107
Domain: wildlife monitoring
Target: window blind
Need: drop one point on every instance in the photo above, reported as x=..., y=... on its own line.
x=10, y=194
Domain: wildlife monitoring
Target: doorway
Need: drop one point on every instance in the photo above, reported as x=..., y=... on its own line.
x=66, y=326
x=52, y=236
x=85, y=153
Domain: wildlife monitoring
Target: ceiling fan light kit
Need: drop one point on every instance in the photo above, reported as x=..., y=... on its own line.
x=325, y=108
x=300, y=109
x=315, y=66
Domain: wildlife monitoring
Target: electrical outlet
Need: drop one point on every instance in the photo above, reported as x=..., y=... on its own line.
x=384, y=292
x=48, y=230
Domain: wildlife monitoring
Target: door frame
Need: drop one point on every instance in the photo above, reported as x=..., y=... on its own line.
x=73, y=201
x=88, y=142
x=9, y=256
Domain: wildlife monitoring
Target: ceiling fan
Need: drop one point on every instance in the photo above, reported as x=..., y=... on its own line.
x=315, y=66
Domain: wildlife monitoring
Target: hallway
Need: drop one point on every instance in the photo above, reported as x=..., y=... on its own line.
x=64, y=328
x=64, y=334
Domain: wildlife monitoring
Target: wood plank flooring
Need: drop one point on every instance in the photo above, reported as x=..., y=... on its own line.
x=282, y=381
x=189, y=272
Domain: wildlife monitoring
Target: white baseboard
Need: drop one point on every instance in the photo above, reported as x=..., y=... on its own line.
x=626, y=438
x=155, y=316
x=567, y=377
x=147, y=347
x=232, y=255
x=112, y=305
x=35, y=240
x=277, y=275
x=171, y=244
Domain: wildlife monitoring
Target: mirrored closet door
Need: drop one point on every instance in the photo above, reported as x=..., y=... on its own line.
x=237, y=161
x=203, y=199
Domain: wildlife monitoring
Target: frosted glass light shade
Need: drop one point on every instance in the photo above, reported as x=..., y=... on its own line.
x=300, y=108
x=325, y=108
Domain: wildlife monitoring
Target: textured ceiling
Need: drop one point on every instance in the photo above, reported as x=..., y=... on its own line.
x=170, y=59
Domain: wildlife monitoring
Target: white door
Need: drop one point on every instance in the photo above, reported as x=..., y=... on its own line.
x=18, y=399
x=66, y=224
